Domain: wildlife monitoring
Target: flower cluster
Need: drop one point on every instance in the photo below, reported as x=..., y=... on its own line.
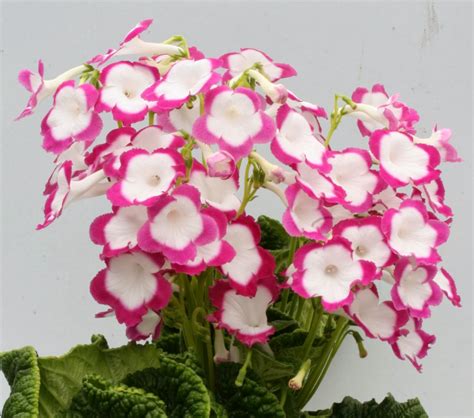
x=181, y=166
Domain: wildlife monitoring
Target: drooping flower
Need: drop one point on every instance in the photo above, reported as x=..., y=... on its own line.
x=440, y=139
x=237, y=62
x=186, y=78
x=367, y=240
x=117, y=231
x=216, y=192
x=401, y=160
x=235, y=120
x=413, y=343
x=305, y=216
x=131, y=284
x=329, y=270
x=144, y=176
x=220, y=164
x=132, y=44
x=150, y=325
x=434, y=193
x=351, y=172
x=244, y=316
x=415, y=289
x=251, y=261
x=72, y=117
x=122, y=85
x=378, y=319
x=40, y=88
x=411, y=233
x=446, y=283
x=294, y=141
x=177, y=226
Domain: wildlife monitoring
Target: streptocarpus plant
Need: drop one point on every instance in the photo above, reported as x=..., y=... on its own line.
x=238, y=302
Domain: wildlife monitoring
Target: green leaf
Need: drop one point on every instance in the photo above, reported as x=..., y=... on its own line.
x=251, y=400
x=269, y=368
x=183, y=391
x=170, y=343
x=274, y=236
x=99, y=398
x=21, y=370
x=282, y=322
x=388, y=408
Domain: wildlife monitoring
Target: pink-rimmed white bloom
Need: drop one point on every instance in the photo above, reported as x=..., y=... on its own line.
x=377, y=319
x=118, y=231
x=244, y=316
x=251, y=262
x=122, y=86
x=317, y=185
x=294, y=141
x=40, y=88
x=415, y=289
x=411, y=233
x=434, y=193
x=181, y=119
x=151, y=138
x=215, y=253
x=305, y=216
x=132, y=44
x=351, y=172
x=67, y=189
x=220, y=164
x=131, y=284
x=144, y=176
x=367, y=240
x=376, y=110
x=329, y=270
x=216, y=192
x=238, y=62
x=235, y=120
x=446, y=283
x=149, y=326
x=387, y=198
x=440, y=139
x=401, y=160
x=72, y=117
x=186, y=78
x=311, y=112
x=177, y=226
x=413, y=343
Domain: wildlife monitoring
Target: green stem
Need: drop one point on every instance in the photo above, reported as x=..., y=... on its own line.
x=246, y=196
x=313, y=330
x=284, y=299
x=284, y=394
x=151, y=118
x=120, y=124
x=243, y=370
x=301, y=304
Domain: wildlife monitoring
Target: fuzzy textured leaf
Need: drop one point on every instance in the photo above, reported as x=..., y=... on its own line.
x=274, y=236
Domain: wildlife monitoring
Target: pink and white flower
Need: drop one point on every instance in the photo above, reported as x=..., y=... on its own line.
x=401, y=160
x=415, y=289
x=305, y=216
x=440, y=139
x=378, y=319
x=177, y=226
x=311, y=112
x=40, y=88
x=153, y=137
x=386, y=199
x=235, y=120
x=150, y=325
x=317, y=185
x=122, y=86
x=434, y=193
x=117, y=231
x=72, y=117
x=413, y=343
x=367, y=240
x=186, y=78
x=132, y=44
x=181, y=119
x=351, y=172
x=251, y=262
x=244, y=316
x=131, y=284
x=446, y=283
x=238, y=62
x=294, y=141
x=144, y=176
x=411, y=233
x=216, y=192
x=330, y=271
x=220, y=164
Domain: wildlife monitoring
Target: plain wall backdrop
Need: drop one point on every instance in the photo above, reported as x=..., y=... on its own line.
x=421, y=49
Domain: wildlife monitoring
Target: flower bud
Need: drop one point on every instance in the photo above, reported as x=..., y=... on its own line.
x=220, y=164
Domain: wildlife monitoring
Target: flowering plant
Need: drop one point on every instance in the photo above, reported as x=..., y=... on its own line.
x=242, y=301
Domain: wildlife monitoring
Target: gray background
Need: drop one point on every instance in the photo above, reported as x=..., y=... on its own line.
x=421, y=49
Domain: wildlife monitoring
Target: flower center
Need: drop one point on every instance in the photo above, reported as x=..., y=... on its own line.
x=154, y=180
x=331, y=270
x=232, y=112
x=360, y=250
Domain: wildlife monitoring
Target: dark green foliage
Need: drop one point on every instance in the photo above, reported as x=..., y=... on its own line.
x=274, y=236
x=388, y=408
x=170, y=343
x=178, y=385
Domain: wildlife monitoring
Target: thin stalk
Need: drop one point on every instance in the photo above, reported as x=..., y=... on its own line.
x=245, y=198
x=316, y=319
